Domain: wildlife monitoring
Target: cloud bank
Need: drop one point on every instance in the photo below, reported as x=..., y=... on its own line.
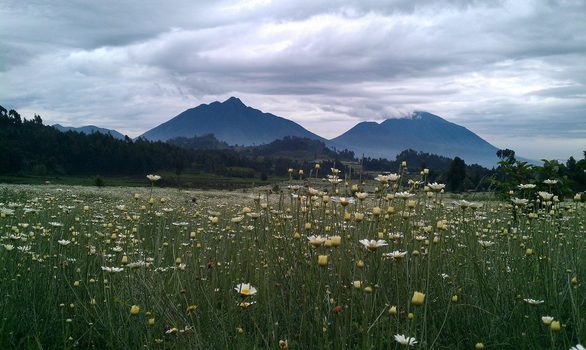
x=512, y=71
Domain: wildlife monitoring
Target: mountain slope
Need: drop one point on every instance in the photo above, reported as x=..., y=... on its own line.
x=230, y=121
x=422, y=132
x=89, y=129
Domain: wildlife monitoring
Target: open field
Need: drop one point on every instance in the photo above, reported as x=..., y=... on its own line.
x=143, y=267
x=186, y=180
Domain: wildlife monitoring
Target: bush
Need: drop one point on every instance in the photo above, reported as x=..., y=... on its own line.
x=98, y=181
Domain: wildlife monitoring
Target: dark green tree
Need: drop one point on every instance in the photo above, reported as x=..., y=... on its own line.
x=456, y=175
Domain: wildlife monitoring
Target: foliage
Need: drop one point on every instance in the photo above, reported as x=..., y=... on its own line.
x=456, y=175
x=99, y=181
x=208, y=141
x=570, y=177
x=152, y=268
x=439, y=167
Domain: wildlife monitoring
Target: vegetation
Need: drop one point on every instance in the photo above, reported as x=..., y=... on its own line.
x=208, y=141
x=385, y=264
x=27, y=147
x=32, y=151
x=455, y=172
x=569, y=178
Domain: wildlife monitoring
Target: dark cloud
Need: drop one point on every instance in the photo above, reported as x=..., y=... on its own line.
x=508, y=70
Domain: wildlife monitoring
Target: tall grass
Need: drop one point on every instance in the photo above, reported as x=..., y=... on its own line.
x=477, y=265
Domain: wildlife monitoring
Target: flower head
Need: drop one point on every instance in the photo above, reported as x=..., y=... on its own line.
x=395, y=254
x=316, y=240
x=418, y=298
x=405, y=341
x=404, y=195
x=546, y=320
x=373, y=245
x=526, y=186
x=520, y=201
x=134, y=310
x=153, y=178
x=245, y=289
x=437, y=187
x=112, y=269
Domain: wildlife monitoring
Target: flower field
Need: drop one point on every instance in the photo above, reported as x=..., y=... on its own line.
x=325, y=264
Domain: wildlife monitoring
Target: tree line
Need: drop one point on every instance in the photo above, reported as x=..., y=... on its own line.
x=28, y=147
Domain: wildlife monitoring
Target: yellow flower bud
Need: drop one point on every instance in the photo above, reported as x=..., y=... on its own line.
x=479, y=346
x=393, y=310
x=418, y=298
x=322, y=260
x=336, y=241
x=134, y=310
x=555, y=326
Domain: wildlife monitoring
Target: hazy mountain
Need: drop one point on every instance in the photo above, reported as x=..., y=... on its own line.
x=89, y=129
x=422, y=132
x=230, y=121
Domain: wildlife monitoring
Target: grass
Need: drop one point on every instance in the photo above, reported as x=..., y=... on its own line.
x=476, y=265
x=186, y=180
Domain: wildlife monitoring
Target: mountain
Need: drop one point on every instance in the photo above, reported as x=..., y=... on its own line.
x=230, y=121
x=89, y=129
x=422, y=132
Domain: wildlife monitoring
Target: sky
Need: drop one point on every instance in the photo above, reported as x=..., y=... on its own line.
x=514, y=72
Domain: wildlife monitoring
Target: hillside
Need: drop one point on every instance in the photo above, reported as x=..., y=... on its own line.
x=423, y=132
x=230, y=121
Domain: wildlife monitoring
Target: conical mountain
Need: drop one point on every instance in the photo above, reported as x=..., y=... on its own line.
x=421, y=131
x=230, y=121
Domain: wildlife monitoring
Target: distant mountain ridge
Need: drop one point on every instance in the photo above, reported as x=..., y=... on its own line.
x=230, y=121
x=90, y=129
x=235, y=123
x=422, y=131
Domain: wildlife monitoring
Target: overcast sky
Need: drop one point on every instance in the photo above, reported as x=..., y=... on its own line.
x=514, y=72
